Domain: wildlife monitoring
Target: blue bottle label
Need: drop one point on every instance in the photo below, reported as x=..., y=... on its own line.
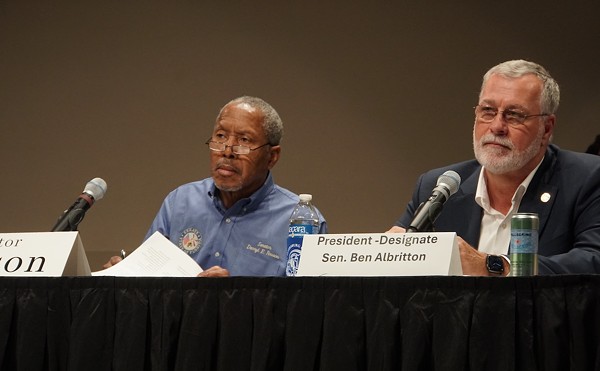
x=301, y=229
x=294, y=245
x=293, y=255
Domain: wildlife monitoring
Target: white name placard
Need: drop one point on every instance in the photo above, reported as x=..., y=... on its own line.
x=380, y=254
x=42, y=254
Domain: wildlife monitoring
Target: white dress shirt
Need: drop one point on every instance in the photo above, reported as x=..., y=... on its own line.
x=494, y=238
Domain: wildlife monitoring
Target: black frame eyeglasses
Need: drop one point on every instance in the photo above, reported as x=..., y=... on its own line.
x=238, y=149
x=487, y=114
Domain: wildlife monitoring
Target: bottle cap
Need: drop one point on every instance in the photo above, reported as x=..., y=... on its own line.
x=305, y=197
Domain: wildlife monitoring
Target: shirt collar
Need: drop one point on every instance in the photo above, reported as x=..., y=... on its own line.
x=245, y=204
x=482, y=198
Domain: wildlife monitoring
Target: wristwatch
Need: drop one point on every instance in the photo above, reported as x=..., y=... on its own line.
x=494, y=264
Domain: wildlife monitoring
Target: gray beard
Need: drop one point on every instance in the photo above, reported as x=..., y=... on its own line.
x=228, y=189
x=496, y=163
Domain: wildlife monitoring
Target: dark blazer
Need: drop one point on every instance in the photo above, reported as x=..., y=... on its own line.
x=569, y=231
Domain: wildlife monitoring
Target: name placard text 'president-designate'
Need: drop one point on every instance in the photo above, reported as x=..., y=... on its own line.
x=380, y=254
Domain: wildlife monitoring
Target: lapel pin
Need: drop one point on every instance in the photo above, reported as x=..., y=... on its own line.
x=545, y=197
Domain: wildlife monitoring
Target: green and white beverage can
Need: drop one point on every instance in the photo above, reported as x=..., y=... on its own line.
x=523, y=250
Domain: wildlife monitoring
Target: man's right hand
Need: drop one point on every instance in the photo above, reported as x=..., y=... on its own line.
x=113, y=260
x=396, y=229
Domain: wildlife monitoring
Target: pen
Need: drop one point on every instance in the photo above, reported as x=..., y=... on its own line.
x=123, y=254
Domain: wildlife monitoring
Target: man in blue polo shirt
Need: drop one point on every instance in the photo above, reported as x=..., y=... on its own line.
x=236, y=222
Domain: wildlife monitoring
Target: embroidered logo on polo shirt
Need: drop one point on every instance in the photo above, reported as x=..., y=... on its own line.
x=190, y=240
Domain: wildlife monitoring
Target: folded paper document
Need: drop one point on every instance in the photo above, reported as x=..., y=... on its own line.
x=156, y=257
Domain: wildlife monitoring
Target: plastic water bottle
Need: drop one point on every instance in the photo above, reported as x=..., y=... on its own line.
x=304, y=220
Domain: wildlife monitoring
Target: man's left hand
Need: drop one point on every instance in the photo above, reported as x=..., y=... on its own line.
x=215, y=271
x=474, y=261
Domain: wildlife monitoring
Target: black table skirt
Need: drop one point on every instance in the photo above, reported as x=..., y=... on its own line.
x=334, y=323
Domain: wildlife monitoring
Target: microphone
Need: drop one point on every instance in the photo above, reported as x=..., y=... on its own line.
x=430, y=209
x=94, y=190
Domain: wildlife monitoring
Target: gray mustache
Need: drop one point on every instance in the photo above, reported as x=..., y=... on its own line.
x=489, y=138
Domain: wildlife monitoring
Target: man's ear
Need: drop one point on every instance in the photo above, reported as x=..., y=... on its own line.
x=549, y=123
x=274, y=153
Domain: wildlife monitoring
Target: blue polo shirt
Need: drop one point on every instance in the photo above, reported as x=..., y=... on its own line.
x=248, y=239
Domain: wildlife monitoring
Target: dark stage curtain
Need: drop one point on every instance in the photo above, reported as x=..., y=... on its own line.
x=334, y=323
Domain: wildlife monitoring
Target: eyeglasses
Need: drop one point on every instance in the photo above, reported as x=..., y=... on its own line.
x=515, y=118
x=236, y=148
